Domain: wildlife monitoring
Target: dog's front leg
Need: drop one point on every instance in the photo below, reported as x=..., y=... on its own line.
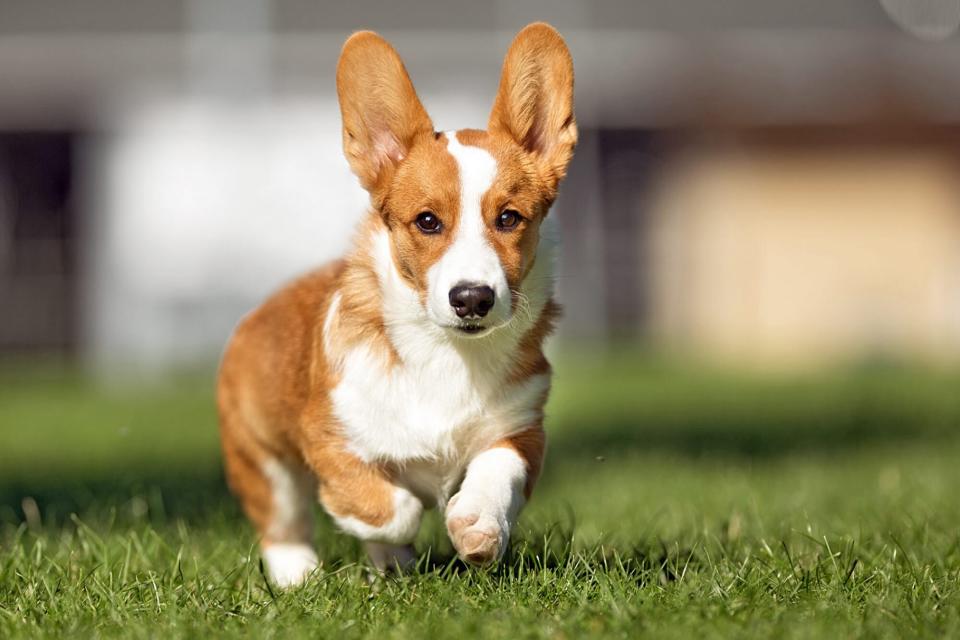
x=497, y=483
x=363, y=501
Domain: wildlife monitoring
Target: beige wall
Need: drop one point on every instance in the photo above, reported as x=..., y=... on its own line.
x=787, y=255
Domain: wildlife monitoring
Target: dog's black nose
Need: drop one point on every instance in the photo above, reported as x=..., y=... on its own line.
x=471, y=300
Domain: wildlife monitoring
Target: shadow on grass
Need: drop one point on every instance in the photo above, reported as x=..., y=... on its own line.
x=763, y=433
x=197, y=494
x=748, y=423
x=200, y=492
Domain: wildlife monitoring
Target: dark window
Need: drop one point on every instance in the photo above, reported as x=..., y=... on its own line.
x=37, y=242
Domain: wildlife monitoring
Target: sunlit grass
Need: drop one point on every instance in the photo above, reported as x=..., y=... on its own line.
x=676, y=502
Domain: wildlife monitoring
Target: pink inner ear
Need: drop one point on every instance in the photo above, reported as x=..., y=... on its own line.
x=386, y=148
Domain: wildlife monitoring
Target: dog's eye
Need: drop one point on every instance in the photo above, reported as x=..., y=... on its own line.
x=509, y=219
x=428, y=223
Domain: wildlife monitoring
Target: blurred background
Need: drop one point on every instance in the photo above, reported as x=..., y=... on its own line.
x=769, y=183
x=760, y=231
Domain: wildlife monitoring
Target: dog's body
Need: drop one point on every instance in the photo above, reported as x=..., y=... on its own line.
x=411, y=373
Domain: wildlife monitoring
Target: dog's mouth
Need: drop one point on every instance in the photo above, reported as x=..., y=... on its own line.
x=471, y=329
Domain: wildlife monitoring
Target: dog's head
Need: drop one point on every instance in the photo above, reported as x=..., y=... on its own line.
x=463, y=209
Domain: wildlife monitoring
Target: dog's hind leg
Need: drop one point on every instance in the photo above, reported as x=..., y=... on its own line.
x=277, y=493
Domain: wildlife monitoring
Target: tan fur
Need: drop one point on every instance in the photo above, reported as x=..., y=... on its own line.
x=534, y=104
x=427, y=180
x=280, y=366
x=529, y=445
x=382, y=116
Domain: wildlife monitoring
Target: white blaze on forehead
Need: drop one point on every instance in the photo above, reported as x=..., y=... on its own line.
x=477, y=171
x=470, y=258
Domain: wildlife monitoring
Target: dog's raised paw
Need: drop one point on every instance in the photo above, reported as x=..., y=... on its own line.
x=479, y=547
x=477, y=540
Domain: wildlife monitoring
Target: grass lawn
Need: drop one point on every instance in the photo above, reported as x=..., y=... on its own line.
x=676, y=502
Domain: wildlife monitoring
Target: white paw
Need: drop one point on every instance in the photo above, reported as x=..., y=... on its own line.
x=289, y=564
x=479, y=535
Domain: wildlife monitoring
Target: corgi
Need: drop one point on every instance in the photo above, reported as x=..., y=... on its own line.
x=410, y=374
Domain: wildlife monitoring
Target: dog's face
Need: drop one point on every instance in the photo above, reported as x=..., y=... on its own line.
x=463, y=209
x=464, y=212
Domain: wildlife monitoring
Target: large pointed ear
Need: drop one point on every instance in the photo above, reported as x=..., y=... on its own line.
x=534, y=103
x=382, y=115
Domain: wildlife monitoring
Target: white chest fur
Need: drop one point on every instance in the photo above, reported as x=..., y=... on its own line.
x=441, y=409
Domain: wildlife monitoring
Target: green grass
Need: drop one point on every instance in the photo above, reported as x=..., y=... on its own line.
x=676, y=502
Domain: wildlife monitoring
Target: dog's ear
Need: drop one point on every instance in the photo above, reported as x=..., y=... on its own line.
x=534, y=103
x=382, y=115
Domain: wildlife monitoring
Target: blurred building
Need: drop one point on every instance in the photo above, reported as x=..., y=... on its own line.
x=796, y=246
x=770, y=181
